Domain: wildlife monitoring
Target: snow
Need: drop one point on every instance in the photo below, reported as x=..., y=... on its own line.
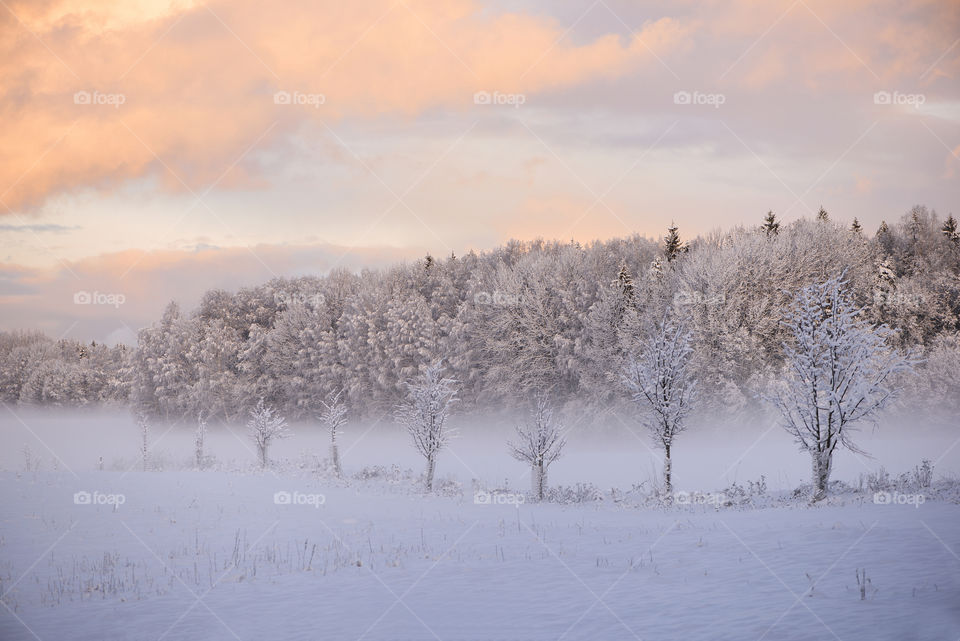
x=442, y=566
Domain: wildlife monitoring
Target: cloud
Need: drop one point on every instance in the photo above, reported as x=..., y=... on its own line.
x=39, y=228
x=95, y=95
x=121, y=292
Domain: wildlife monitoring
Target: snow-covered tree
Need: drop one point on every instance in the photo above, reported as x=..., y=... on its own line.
x=659, y=378
x=144, y=426
x=333, y=417
x=264, y=426
x=198, y=441
x=539, y=443
x=839, y=371
x=424, y=414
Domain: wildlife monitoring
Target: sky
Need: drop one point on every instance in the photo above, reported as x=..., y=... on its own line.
x=153, y=149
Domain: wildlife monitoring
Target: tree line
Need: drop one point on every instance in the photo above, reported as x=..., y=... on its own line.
x=523, y=320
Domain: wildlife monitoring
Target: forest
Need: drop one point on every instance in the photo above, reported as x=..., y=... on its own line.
x=524, y=320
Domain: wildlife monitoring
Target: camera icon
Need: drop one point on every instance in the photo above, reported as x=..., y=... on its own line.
x=281, y=98
x=81, y=98
x=882, y=498
x=480, y=497
x=81, y=498
x=682, y=98
x=282, y=498
x=482, y=298
x=482, y=98
x=682, y=498
x=82, y=298
x=882, y=98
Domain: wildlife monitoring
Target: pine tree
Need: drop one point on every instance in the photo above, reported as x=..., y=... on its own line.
x=856, y=227
x=672, y=245
x=822, y=215
x=770, y=225
x=949, y=230
x=625, y=283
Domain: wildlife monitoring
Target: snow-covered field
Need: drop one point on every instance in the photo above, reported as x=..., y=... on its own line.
x=213, y=555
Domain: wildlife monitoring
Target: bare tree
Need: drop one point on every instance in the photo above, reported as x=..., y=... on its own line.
x=659, y=379
x=265, y=426
x=144, y=426
x=539, y=444
x=198, y=441
x=333, y=417
x=839, y=370
x=424, y=414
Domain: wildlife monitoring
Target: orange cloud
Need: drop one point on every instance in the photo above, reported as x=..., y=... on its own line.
x=183, y=90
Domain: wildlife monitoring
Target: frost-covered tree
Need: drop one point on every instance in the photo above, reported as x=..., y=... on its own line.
x=264, y=426
x=333, y=417
x=198, y=441
x=424, y=414
x=144, y=426
x=659, y=378
x=839, y=371
x=539, y=443
x=949, y=230
x=856, y=227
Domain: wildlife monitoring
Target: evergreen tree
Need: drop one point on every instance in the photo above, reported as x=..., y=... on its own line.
x=822, y=215
x=856, y=227
x=672, y=245
x=949, y=230
x=625, y=283
x=770, y=225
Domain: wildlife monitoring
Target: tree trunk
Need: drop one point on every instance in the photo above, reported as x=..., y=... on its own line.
x=822, y=466
x=667, y=484
x=263, y=456
x=539, y=480
x=431, y=464
x=335, y=454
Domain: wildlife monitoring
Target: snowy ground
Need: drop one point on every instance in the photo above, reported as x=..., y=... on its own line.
x=212, y=555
